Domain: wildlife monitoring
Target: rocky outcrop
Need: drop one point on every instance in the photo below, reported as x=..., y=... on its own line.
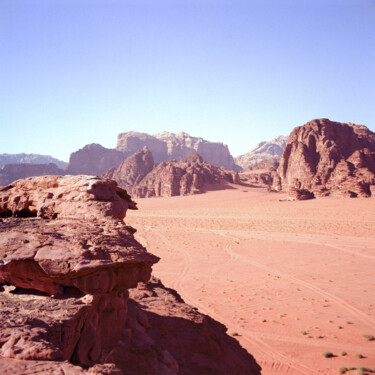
x=168, y=146
x=263, y=151
x=94, y=159
x=328, y=158
x=131, y=142
x=142, y=179
x=64, y=291
x=133, y=169
x=30, y=159
x=49, y=197
x=254, y=178
x=11, y=172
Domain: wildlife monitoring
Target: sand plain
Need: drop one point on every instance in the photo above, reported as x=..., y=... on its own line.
x=290, y=280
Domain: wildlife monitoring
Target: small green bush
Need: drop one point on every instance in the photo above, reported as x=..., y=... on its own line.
x=327, y=354
x=369, y=337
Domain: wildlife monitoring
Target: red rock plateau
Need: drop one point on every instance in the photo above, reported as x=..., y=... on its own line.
x=76, y=295
x=11, y=172
x=324, y=158
x=138, y=175
x=292, y=279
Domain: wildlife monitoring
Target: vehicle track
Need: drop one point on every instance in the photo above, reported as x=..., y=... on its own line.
x=253, y=340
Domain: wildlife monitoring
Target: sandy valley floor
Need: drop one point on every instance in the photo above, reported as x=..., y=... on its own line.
x=291, y=279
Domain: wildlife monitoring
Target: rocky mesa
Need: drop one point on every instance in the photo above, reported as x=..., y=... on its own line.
x=76, y=295
x=142, y=178
x=324, y=157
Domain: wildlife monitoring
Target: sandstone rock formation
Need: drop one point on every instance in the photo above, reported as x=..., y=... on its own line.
x=87, y=197
x=133, y=169
x=263, y=151
x=167, y=146
x=94, y=159
x=30, y=159
x=131, y=142
x=328, y=158
x=64, y=291
x=142, y=179
x=11, y=172
x=255, y=178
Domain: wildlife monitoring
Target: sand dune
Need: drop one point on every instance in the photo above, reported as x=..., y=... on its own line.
x=292, y=279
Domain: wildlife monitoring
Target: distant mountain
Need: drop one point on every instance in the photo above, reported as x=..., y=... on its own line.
x=263, y=151
x=12, y=172
x=142, y=178
x=30, y=158
x=93, y=159
x=167, y=146
x=96, y=159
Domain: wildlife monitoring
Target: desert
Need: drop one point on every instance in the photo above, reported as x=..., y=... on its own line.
x=290, y=279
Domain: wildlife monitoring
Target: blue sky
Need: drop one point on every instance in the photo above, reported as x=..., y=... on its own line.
x=74, y=72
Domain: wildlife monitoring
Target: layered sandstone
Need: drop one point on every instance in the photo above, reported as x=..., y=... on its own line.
x=142, y=179
x=67, y=262
x=11, y=172
x=94, y=159
x=324, y=157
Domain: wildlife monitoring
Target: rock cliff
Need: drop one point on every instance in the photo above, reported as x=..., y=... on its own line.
x=142, y=179
x=263, y=151
x=11, y=172
x=167, y=146
x=69, y=294
x=324, y=157
x=94, y=159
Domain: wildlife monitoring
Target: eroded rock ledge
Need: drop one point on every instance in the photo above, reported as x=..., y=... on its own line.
x=67, y=264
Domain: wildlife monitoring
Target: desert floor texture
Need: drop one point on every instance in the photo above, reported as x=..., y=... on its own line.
x=292, y=279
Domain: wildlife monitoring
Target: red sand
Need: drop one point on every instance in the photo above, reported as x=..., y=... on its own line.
x=293, y=279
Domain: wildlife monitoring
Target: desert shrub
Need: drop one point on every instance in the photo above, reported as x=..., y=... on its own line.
x=369, y=337
x=327, y=354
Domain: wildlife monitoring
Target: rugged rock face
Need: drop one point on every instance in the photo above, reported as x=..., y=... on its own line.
x=131, y=142
x=328, y=158
x=263, y=151
x=30, y=159
x=94, y=159
x=191, y=176
x=133, y=169
x=49, y=197
x=64, y=280
x=167, y=146
x=11, y=172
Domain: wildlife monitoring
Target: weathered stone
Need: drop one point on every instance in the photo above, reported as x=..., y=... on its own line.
x=84, y=197
x=328, y=158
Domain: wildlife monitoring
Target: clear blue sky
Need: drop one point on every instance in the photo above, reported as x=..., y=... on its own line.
x=74, y=72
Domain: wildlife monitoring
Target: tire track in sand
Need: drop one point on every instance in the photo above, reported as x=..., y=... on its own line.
x=280, y=359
